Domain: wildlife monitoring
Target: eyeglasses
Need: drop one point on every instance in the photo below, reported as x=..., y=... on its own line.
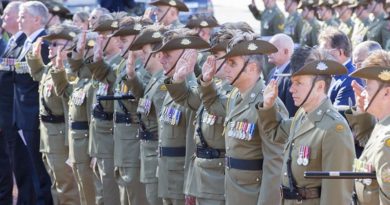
x=55, y=44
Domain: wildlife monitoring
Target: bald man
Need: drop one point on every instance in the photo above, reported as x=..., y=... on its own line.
x=281, y=60
x=362, y=51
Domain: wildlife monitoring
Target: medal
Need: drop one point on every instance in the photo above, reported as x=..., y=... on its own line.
x=231, y=127
x=300, y=156
x=306, y=152
x=49, y=87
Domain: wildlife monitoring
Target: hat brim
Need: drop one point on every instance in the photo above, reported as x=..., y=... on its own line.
x=371, y=73
x=52, y=37
x=125, y=32
x=333, y=68
x=216, y=48
x=179, y=5
x=244, y=49
x=187, y=42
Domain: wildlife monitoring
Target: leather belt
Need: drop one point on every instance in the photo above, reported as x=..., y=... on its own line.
x=79, y=125
x=243, y=164
x=147, y=136
x=209, y=153
x=101, y=115
x=172, y=151
x=52, y=118
x=300, y=193
x=125, y=118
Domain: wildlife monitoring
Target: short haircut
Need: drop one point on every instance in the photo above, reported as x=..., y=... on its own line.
x=369, y=46
x=37, y=8
x=220, y=36
x=299, y=57
x=336, y=39
x=14, y=5
x=241, y=25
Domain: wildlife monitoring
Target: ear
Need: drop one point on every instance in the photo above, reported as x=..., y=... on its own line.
x=252, y=67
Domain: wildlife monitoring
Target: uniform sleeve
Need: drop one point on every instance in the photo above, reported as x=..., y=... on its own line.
x=36, y=66
x=255, y=12
x=361, y=125
x=213, y=102
x=338, y=154
x=136, y=86
x=75, y=63
x=182, y=94
x=278, y=24
x=61, y=84
x=382, y=167
x=276, y=126
x=102, y=72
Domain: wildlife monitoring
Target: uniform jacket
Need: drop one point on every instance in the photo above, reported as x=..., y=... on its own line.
x=293, y=26
x=272, y=20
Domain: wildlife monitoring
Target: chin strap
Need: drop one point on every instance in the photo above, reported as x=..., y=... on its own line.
x=239, y=74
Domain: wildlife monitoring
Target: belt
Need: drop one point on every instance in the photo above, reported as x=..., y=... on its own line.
x=125, y=118
x=300, y=193
x=243, y=164
x=172, y=151
x=101, y=115
x=148, y=136
x=79, y=125
x=5, y=68
x=209, y=153
x=52, y=118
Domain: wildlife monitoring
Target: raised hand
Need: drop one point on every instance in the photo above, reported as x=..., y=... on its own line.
x=81, y=42
x=270, y=94
x=36, y=50
x=185, y=65
x=98, y=49
x=209, y=69
x=148, y=13
x=359, y=97
x=59, y=61
x=130, y=65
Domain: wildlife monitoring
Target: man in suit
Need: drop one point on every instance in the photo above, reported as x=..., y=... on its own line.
x=33, y=16
x=281, y=60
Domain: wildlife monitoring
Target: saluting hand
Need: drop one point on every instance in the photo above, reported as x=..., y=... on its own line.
x=185, y=65
x=81, y=43
x=209, y=69
x=270, y=94
x=59, y=62
x=36, y=50
x=130, y=65
x=148, y=13
x=359, y=98
x=98, y=49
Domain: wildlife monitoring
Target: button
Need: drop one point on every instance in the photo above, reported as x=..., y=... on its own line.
x=86, y=135
x=227, y=148
x=285, y=174
x=257, y=179
x=220, y=164
x=60, y=132
x=293, y=144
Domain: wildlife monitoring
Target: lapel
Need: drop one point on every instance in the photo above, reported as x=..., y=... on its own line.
x=312, y=119
x=16, y=48
x=24, y=52
x=248, y=99
x=286, y=70
x=153, y=81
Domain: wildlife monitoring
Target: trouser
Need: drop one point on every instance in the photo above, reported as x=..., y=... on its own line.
x=86, y=183
x=202, y=201
x=6, y=181
x=169, y=201
x=33, y=181
x=65, y=186
x=104, y=171
x=131, y=190
x=151, y=190
x=54, y=193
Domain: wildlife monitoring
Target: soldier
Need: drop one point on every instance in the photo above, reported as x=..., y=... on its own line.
x=325, y=13
x=80, y=102
x=167, y=12
x=95, y=16
x=374, y=100
x=101, y=144
x=294, y=22
x=57, y=13
x=149, y=107
x=53, y=109
x=126, y=143
x=311, y=28
x=80, y=19
x=378, y=28
x=344, y=12
x=176, y=145
x=318, y=138
x=33, y=16
x=202, y=24
x=363, y=21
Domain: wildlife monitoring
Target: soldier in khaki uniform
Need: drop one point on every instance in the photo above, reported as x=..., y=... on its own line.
x=53, y=113
x=363, y=21
x=317, y=138
x=325, y=13
x=374, y=100
x=126, y=143
x=294, y=22
x=344, y=12
x=167, y=12
x=80, y=101
x=311, y=28
x=246, y=149
x=378, y=28
x=151, y=97
x=101, y=142
x=176, y=145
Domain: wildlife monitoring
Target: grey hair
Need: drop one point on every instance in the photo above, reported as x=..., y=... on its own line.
x=36, y=8
x=14, y=5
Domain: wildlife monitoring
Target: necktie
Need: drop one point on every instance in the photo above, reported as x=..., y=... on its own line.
x=275, y=76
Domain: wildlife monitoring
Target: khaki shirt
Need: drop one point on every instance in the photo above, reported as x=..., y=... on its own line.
x=379, y=31
x=309, y=33
x=293, y=26
x=272, y=20
x=331, y=148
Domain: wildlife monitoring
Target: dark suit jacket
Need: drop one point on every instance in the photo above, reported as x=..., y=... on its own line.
x=284, y=84
x=342, y=90
x=7, y=84
x=26, y=96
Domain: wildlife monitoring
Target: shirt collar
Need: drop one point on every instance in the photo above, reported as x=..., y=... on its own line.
x=34, y=35
x=16, y=35
x=281, y=68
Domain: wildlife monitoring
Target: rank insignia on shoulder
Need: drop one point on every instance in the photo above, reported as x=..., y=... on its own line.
x=339, y=128
x=281, y=26
x=163, y=88
x=387, y=142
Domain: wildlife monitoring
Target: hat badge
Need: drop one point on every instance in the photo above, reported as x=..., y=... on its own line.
x=172, y=3
x=321, y=66
x=384, y=75
x=137, y=27
x=114, y=24
x=72, y=34
x=185, y=42
x=204, y=23
x=310, y=1
x=252, y=47
x=156, y=35
x=56, y=8
x=91, y=43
